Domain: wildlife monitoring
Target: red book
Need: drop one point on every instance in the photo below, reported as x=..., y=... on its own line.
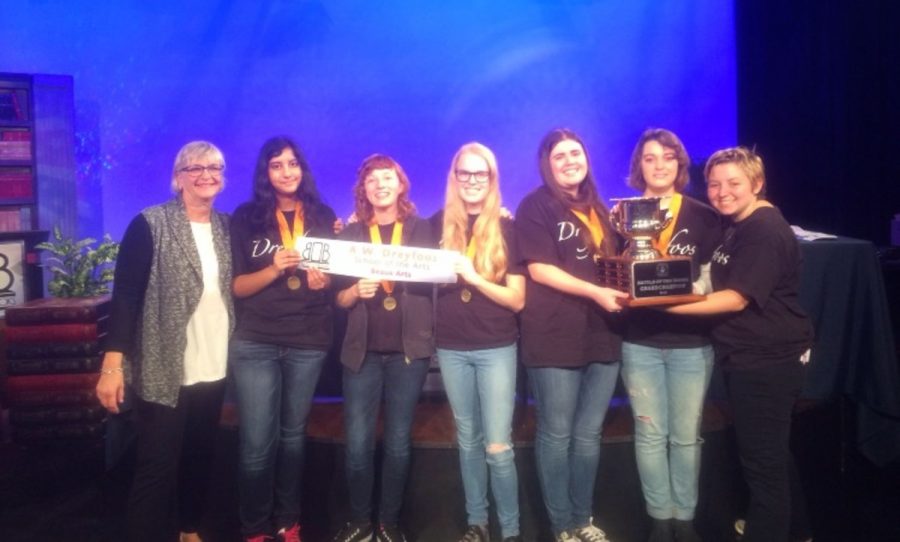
x=58, y=310
x=16, y=135
x=47, y=390
x=38, y=333
x=53, y=382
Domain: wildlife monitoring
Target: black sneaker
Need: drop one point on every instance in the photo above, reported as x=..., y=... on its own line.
x=661, y=531
x=355, y=531
x=390, y=533
x=476, y=533
x=684, y=531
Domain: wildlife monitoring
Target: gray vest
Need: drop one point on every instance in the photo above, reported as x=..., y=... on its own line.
x=173, y=293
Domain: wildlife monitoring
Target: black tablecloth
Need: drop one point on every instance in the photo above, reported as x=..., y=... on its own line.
x=854, y=354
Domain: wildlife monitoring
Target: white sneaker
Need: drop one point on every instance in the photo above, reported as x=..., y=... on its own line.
x=590, y=533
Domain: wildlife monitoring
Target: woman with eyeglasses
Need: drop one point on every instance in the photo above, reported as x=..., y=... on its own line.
x=476, y=334
x=761, y=336
x=284, y=331
x=386, y=352
x=571, y=344
x=171, y=316
x=667, y=359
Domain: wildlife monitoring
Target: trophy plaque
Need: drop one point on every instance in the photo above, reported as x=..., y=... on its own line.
x=648, y=277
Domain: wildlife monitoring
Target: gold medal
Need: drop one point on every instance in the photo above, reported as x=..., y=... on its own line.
x=293, y=282
x=389, y=302
x=466, y=295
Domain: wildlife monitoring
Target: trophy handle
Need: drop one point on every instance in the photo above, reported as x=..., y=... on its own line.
x=666, y=220
x=614, y=218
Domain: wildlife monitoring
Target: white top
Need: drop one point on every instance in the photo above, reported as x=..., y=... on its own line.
x=206, y=353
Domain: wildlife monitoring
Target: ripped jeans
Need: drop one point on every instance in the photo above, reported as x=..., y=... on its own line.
x=666, y=388
x=481, y=387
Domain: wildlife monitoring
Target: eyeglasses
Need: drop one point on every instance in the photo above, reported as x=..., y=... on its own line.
x=479, y=177
x=214, y=170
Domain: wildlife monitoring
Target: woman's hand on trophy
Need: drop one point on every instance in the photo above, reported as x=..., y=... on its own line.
x=608, y=298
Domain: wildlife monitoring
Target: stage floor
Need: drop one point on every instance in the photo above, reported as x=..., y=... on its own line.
x=60, y=491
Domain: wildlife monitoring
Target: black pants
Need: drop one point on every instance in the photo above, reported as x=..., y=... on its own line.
x=174, y=462
x=762, y=401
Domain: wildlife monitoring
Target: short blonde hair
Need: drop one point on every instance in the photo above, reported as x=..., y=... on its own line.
x=750, y=163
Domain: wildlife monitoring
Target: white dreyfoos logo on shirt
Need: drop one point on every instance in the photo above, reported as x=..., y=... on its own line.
x=720, y=256
x=568, y=230
x=678, y=249
x=264, y=246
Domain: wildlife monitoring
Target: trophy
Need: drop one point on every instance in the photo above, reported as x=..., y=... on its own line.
x=641, y=271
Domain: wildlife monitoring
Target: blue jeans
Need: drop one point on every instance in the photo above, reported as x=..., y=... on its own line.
x=274, y=386
x=400, y=383
x=481, y=387
x=571, y=406
x=666, y=388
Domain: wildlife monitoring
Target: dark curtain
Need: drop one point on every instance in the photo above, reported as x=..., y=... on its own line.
x=818, y=91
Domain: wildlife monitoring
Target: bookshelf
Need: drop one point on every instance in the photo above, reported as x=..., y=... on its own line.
x=17, y=165
x=37, y=169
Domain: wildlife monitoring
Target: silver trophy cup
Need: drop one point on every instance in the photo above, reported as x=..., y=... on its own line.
x=640, y=220
x=649, y=277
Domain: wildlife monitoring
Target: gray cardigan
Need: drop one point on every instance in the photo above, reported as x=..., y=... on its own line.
x=174, y=286
x=416, y=308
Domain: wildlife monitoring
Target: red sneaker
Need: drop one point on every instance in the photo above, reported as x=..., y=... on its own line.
x=289, y=534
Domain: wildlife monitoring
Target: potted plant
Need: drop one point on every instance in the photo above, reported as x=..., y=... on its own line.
x=78, y=268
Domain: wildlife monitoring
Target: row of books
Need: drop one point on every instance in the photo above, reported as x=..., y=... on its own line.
x=15, y=135
x=16, y=188
x=53, y=357
x=15, y=150
x=13, y=104
x=12, y=219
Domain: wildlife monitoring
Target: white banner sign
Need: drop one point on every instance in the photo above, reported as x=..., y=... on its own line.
x=382, y=262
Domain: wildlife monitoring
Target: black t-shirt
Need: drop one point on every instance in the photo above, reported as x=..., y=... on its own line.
x=299, y=318
x=698, y=231
x=384, y=331
x=480, y=323
x=760, y=258
x=558, y=329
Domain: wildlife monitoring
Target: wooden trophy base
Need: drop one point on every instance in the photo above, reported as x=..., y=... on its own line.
x=662, y=281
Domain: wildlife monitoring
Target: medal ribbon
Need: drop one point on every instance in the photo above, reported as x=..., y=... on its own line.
x=662, y=243
x=396, y=237
x=593, y=225
x=288, y=238
x=470, y=249
x=470, y=254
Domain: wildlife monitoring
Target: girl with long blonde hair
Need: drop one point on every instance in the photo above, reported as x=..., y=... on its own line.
x=476, y=334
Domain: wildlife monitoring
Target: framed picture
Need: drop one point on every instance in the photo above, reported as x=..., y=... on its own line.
x=12, y=274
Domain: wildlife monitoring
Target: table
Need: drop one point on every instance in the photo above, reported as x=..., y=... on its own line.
x=854, y=354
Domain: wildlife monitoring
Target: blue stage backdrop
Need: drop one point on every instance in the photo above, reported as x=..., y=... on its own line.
x=412, y=79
